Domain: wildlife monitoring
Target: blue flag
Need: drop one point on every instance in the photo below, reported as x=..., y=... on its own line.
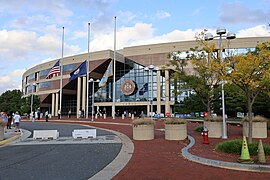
x=107, y=74
x=144, y=89
x=81, y=70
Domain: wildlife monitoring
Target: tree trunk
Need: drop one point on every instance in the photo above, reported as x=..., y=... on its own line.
x=209, y=108
x=249, y=104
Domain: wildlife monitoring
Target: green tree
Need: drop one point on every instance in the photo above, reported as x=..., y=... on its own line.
x=197, y=71
x=26, y=105
x=12, y=101
x=251, y=73
x=262, y=105
x=234, y=100
x=190, y=104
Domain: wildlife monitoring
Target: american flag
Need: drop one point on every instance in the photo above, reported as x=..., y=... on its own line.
x=54, y=70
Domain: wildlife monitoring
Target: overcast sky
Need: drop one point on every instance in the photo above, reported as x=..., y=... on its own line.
x=31, y=30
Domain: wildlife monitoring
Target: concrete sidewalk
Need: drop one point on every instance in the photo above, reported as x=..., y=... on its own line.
x=10, y=135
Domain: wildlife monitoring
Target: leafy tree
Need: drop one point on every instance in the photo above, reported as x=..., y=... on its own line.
x=234, y=100
x=262, y=105
x=12, y=101
x=26, y=105
x=197, y=71
x=251, y=73
x=190, y=104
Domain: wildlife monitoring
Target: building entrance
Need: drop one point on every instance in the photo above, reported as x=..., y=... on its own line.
x=136, y=110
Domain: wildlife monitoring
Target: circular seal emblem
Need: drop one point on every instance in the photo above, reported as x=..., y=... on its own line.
x=128, y=87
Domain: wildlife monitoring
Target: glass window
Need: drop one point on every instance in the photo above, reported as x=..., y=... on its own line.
x=31, y=76
x=44, y=72
x=69, y=67
x=45, y=85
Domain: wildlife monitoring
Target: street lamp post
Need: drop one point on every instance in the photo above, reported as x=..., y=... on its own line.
x=151, y=68
x=34, y=84
x=93, y=97
x=208, y=37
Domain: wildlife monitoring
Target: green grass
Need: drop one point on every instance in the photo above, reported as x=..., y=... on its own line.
x=235, y=147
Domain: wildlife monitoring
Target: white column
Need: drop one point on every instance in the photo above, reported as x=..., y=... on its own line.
x=158, y=93
x=56, y=103
x=148, y=110
x=53, y=104
x=84, y=93
x=37, y=87
x=167, y=91
x=78, y=95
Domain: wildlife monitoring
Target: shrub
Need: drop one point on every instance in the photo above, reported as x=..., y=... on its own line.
x=142, y=121
x=175, y=121
x=235, y=147
x=213, y=118
x=199, y=129
x=255, y=119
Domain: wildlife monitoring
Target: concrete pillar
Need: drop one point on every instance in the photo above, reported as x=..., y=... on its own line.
x=53, y=104
x=158, y=93
x=37, y=87
x=56, y=104
x=84, y=93
x=78, y=95
x=167, y=91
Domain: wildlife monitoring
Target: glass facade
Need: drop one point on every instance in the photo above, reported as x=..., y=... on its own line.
x=69, y=103
x=141, y=77
x=45, y=84
x=69, y=67
x=31, y=88
x=31, y=77
x=44, y=72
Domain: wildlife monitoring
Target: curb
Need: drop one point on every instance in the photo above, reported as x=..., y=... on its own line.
x=120, y=160
x=222, y=164
x=10, y=139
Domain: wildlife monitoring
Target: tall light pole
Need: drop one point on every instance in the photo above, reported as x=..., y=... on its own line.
x=208, y=37
x=151, y=68
x=34, y=84
x=93, y=96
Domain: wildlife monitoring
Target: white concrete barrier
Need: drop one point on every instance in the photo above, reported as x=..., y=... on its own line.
x=84, y=133
x=46, y=134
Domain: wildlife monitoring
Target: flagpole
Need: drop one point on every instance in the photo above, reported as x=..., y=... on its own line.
x=61, y=71
x=114, y=69
x=87, y=73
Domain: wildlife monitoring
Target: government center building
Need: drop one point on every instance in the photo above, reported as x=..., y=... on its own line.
x=141, y=78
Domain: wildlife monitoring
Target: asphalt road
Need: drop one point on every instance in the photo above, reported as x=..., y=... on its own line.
x=56, y=161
